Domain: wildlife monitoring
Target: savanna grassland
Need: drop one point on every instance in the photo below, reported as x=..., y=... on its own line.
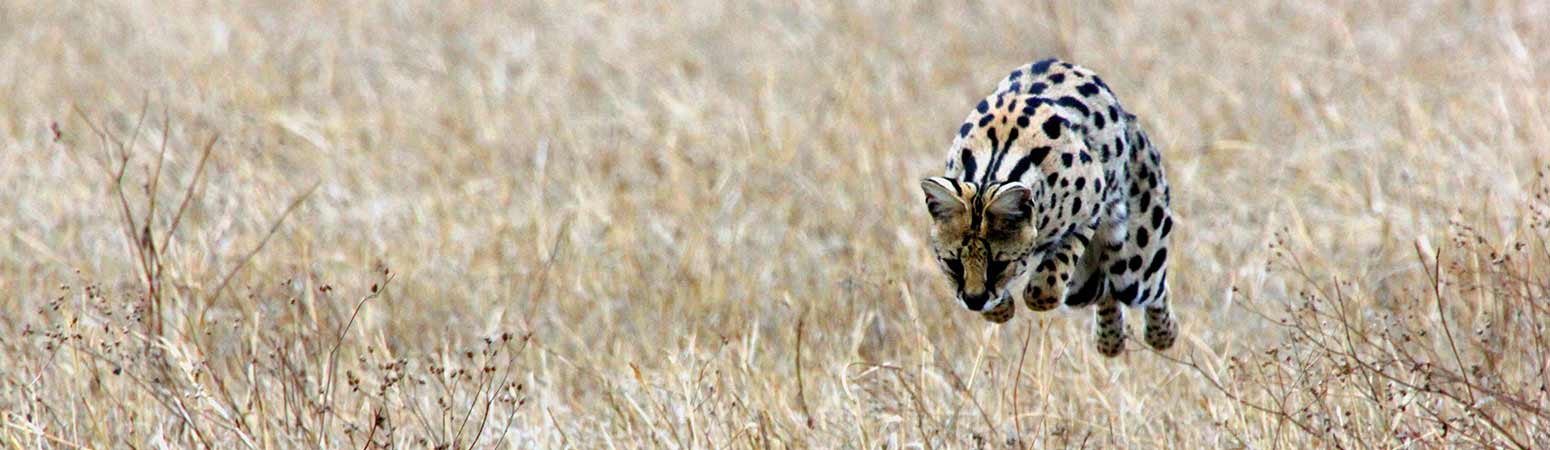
x=698, y=224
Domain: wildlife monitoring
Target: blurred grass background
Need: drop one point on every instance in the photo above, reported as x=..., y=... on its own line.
x=697, y=225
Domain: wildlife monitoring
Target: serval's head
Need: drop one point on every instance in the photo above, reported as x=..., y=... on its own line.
x=980, y=235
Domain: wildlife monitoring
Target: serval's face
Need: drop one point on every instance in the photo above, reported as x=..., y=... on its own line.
x=980, y=235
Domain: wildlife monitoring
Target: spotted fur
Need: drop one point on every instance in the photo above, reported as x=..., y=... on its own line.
x=1053, y=193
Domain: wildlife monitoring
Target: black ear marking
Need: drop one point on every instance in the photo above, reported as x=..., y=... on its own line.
x=1011, y=201
x=1010, y=208
x=943, y=198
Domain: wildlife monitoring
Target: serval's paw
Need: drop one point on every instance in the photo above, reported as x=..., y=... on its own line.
x=1000, y=313
x=1161, y=328
x=1045, y=291
x=1110, y=329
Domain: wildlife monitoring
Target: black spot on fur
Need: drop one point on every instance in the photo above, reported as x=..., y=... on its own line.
x=1052, y=126
x=1142, y=237
x=1158, y=260
x=964, y=130
x=1065, y=159
x=1022, y=121
x=967, y=158
x=1087, y=293
x=1039, y=68
x=982, y=107
x=1157, y=216
x=1166, y=228
x=1074, y=103
x=990, y=166
x=1126, y=295
x=1087, y=90
x=1057, y=78
x=1037, y=88
x=1135, y=262
x=1080, y=182
x=1037, y=154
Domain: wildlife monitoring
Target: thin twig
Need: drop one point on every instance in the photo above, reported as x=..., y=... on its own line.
x=801, y=396
x=376, y=417
x=333, y=355
x=295, y=203
x=188, y=194
x=1017, y=383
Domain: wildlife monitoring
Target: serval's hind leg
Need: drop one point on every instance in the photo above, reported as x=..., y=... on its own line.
x=1161, y=327
x=1110, y=329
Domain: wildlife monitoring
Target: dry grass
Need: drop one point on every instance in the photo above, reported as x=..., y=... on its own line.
x=547, y=225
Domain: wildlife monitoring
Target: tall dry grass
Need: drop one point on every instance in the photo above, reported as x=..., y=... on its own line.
x=695, y=225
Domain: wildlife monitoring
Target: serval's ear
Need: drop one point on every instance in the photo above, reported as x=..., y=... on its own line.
x=1010, y=206
x=943, y=198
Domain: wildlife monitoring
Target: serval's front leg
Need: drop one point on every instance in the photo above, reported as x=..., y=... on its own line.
x=1002, y=312
x=1051, y=280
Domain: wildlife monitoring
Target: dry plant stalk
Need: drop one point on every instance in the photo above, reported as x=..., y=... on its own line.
x=1408, y=373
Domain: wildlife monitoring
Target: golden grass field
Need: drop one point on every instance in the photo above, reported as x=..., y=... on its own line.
x=553, y=225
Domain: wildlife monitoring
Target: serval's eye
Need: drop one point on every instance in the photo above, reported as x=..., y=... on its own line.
x=996, y=267
x=955, y=266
